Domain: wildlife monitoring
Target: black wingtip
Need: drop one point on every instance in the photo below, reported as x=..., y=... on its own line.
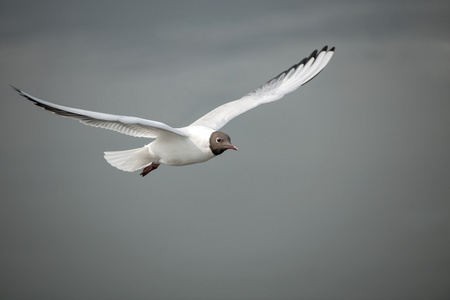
x=21, y=93
x=313, y=54
x=325, y=49
x=16, y=89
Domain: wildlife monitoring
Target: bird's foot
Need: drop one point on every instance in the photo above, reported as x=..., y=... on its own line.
x=149, y=168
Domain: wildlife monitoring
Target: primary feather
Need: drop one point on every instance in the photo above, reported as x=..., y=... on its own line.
x=124, y=124
x=286, y=82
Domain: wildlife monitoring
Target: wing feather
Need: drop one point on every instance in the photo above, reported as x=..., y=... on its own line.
x=286, y=82
x=127, y=125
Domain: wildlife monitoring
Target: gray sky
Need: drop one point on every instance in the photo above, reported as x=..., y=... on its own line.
x=339, y=191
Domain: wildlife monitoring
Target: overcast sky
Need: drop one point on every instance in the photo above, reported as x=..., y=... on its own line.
x=341, y=190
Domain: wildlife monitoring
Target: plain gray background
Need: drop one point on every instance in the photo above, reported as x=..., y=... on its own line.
x=338, y=191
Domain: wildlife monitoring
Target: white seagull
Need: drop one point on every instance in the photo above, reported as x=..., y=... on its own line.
x=201, y=140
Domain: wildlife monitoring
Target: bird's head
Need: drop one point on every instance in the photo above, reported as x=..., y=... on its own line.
x=219, y=142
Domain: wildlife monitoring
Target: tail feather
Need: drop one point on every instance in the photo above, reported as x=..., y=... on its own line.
x=129, y=160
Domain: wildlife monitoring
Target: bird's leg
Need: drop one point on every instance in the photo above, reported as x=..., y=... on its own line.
x=149, y=168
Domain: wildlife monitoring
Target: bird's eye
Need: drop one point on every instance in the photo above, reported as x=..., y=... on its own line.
x=218, y=140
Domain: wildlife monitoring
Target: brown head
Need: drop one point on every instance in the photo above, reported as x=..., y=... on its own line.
x=219, y=142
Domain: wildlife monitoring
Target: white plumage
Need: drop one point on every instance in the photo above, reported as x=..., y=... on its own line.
x=201, y=140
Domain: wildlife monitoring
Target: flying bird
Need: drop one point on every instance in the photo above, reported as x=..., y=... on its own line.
x=201, y=140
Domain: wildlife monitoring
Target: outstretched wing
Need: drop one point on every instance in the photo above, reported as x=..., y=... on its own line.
x=127, y=125
x=288, y=81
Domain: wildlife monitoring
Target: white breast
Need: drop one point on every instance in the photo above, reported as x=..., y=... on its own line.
x=175, y=150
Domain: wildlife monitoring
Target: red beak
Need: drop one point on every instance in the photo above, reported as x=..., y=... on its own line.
x=231, y=146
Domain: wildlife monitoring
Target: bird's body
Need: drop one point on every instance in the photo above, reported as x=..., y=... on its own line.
x=168, y=149
x=197, y=142
x=175, y=151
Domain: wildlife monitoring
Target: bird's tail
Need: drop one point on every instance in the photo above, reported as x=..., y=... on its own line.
x=129, y=160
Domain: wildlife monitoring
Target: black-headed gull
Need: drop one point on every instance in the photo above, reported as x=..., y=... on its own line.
x=201, y=140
